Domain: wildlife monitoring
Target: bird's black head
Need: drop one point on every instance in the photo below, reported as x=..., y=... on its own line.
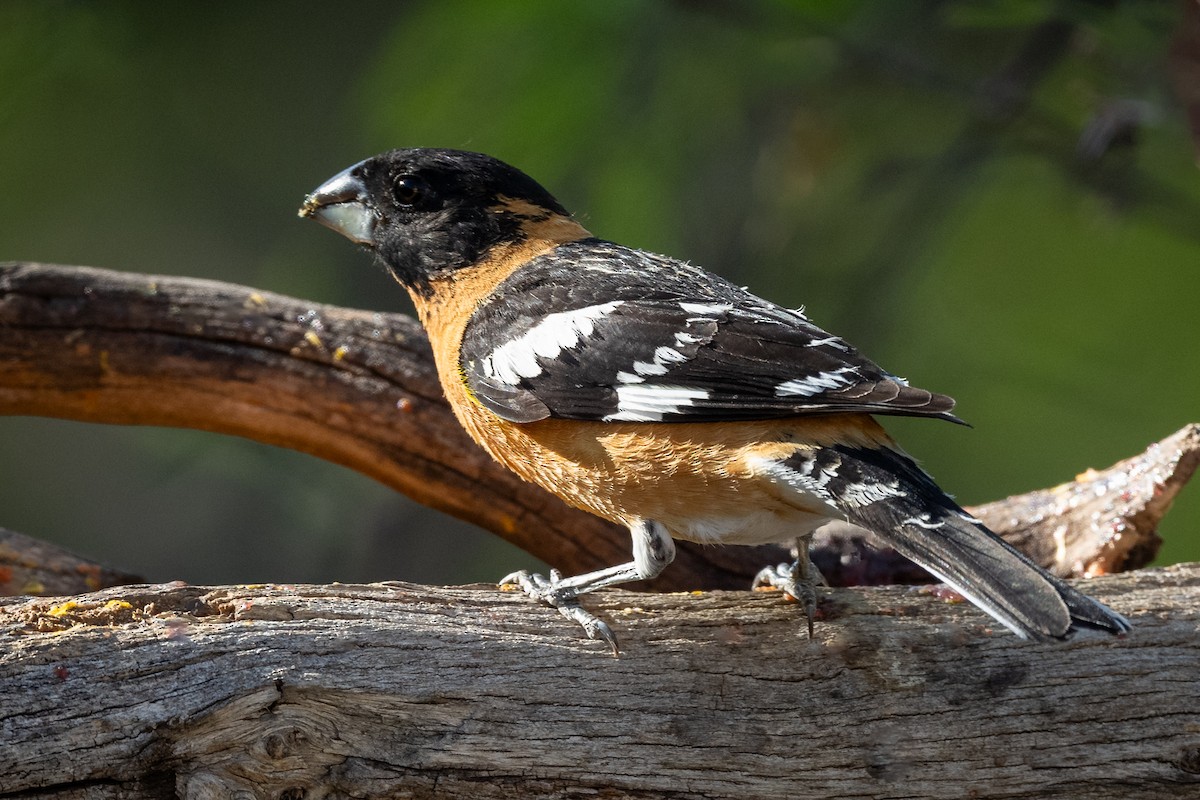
x=426, y=212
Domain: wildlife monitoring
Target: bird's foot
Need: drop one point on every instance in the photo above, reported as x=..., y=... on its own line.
x=796, y=581
x=553, y=592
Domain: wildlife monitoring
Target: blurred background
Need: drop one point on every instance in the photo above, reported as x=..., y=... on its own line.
x=998, y=200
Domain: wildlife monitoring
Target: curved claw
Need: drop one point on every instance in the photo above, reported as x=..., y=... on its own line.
x=593, y=626
x=787, y=578
x=564, y=598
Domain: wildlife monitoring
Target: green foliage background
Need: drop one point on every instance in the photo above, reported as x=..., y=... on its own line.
x=891, y=166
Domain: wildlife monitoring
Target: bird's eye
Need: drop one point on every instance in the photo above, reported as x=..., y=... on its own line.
x=409, y=190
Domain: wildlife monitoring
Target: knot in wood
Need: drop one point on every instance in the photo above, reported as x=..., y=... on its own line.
x=1189, y=759
x=284, y=741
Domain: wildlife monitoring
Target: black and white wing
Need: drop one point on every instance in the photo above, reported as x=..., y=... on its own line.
x=597, y=331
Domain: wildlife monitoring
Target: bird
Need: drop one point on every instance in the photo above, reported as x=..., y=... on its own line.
x=663, y=397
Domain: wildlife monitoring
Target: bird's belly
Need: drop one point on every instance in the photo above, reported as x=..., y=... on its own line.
x=754, y=526
x=697, y=481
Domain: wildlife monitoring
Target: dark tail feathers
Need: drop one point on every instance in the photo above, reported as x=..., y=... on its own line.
x=922, y=523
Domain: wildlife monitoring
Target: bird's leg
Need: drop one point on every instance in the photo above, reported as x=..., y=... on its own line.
x=653, y=550
x=799, y=579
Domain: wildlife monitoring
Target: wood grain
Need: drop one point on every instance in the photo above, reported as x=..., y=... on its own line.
x=411, y=691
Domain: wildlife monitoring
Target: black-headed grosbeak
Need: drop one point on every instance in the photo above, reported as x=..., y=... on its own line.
x=662, y=397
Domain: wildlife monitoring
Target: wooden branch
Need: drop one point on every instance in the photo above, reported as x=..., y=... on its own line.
x=401, y=690
x=356, y=388
x=359, y=389
x=1104, y=521
x=29, y=566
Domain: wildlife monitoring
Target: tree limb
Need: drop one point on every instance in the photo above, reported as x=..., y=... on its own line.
x=29, y=566
x=359, y=388
x=311, y=691
x=356, y=388
x=402, y=690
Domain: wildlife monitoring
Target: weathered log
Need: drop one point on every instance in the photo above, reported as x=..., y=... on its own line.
x=393, y=690
x=359, y=388
x=1104, y=521
x=410, y=691
x=29, y=566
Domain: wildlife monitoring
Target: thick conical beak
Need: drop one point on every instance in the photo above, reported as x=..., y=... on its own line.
x=341, y=204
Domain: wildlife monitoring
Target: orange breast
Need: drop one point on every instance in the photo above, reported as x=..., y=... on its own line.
x=697, y=479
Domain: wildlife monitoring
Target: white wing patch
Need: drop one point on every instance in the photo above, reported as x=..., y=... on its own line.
x=663, y=357
x=923, y=521
x=706, y=309
x=651, y=402
x=518, y=358
x=830, y=341
x=821, y=382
